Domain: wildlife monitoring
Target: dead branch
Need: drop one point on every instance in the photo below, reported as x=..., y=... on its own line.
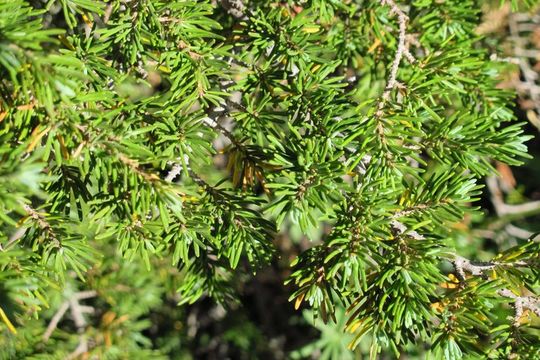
x=77, y=313
x=401, y=51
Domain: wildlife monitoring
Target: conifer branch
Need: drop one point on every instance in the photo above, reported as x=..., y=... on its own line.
x=269, y=81
x=520, y=303
x=40, y=219
x=134, y=166
x=532, y=303
x=213, y=123
x=42, y=223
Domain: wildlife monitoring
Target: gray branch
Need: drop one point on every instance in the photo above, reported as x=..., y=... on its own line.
x=401, y=51
x=532, y=303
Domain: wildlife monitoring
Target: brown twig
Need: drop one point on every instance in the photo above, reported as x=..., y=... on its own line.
x=135, y=167
x=80, y=323
x=507, y=212
x=40, y=219
x=518, y=232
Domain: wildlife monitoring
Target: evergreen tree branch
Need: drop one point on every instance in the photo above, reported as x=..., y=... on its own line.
x=520, y=303
x=42, y=223
x=379, y=228
x=532, y=303
x=212, y=121
x=40, y=219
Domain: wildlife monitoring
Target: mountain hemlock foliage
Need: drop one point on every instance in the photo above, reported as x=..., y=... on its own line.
x=152, y=146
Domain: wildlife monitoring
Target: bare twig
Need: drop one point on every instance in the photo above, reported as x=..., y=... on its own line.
x=176, y=167
x=462, y=264
x=521, y=209
x=82, y=348
x=508, y=212
x=55, y=320
x=173, y=173
x=401, y=51
x=82, y=295
x=529, y=85
x=504, y=209
x=80, y=323
x=400, y=229
x=518, y=232
x=76, y=312
x=210, y=121
x=509, y=59
x=234, y=7
x=107, y=13
x=478, y=267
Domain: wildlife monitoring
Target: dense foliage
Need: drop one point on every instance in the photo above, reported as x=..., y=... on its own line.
x=152, y=151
